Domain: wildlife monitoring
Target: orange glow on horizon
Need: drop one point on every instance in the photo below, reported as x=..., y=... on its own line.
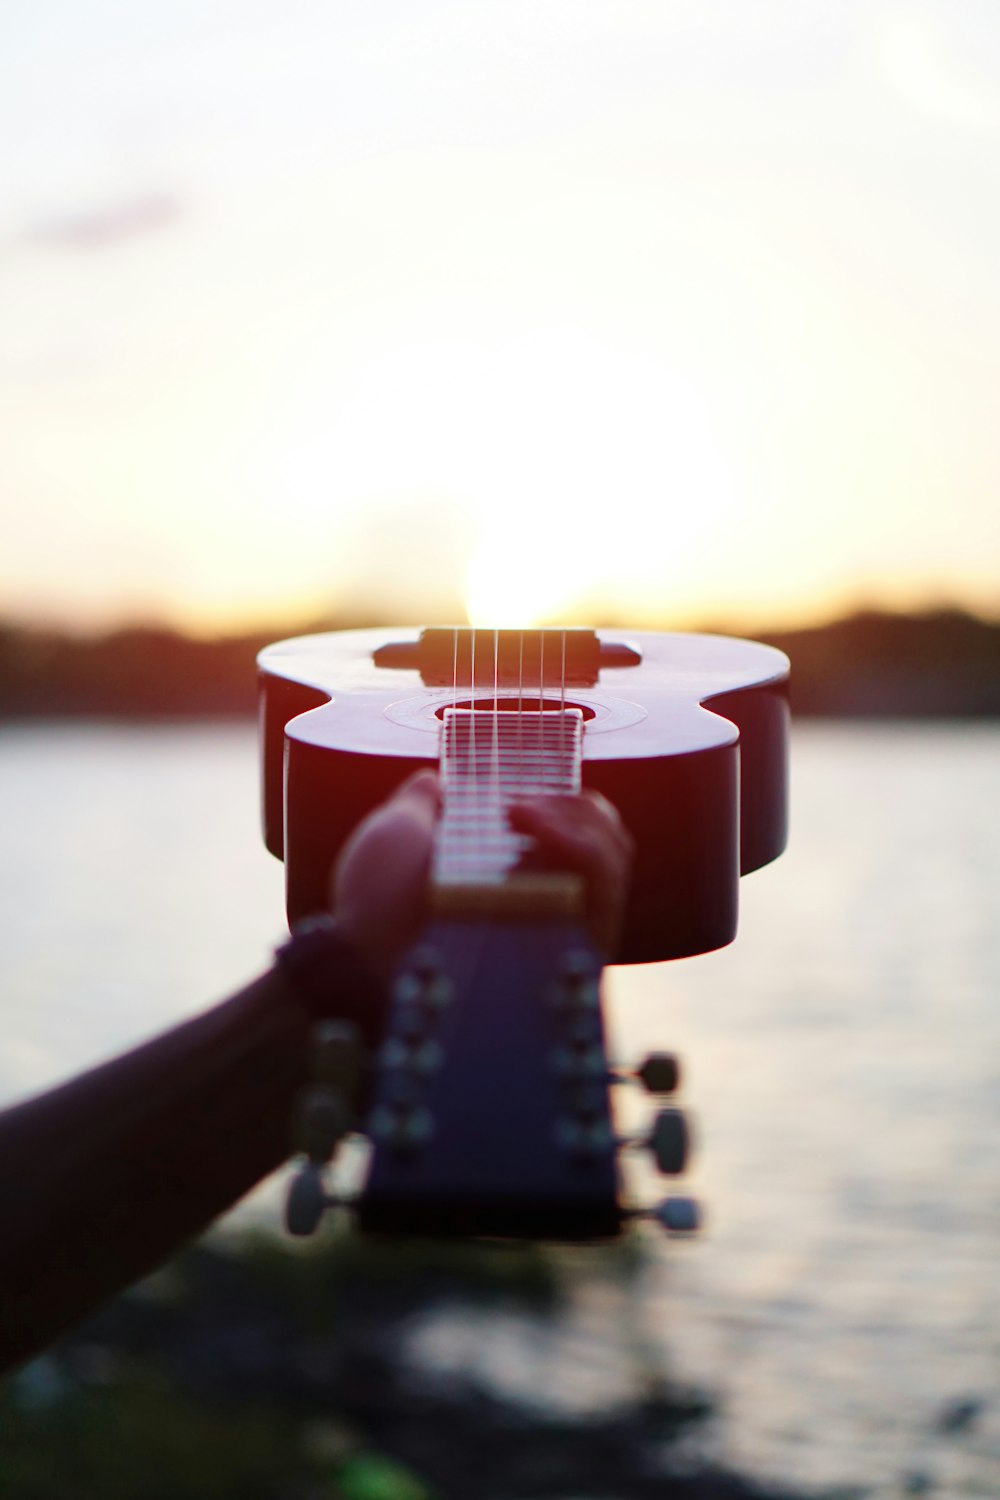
x=623, y=351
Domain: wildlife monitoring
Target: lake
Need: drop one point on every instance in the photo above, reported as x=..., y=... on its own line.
x=842, y=1060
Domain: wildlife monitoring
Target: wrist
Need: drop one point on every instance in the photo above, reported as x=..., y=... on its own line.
x=330, y=975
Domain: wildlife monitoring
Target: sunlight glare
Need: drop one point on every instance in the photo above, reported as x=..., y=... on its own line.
x=923, y=71
x=571, y=470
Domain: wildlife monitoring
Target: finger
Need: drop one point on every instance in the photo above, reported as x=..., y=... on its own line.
x=409, y=816
x=586, y=835
x=590, y=851
x=558, y=820
x=421, y=790
x=380, y=878
x=424, y=782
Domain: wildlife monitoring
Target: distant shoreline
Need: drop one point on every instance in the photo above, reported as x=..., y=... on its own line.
x=871, y=665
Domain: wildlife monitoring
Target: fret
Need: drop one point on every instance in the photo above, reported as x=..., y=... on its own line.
x=489, y=759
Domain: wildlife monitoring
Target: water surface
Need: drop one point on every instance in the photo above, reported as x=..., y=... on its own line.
x=843, y=1057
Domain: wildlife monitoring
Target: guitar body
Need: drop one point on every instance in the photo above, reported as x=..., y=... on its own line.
x=685, y=734
x=489, y=1101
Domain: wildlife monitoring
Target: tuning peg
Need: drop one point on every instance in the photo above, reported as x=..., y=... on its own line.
x=336, y=1054
x=305, y=1201
x=677, y=1216
x=321, y=1120
x=670, y=1141
x=659, y=1073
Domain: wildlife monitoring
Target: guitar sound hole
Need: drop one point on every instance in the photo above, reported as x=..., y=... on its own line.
x=516, y=705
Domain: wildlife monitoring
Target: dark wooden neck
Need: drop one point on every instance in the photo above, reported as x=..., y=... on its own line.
x=489, y=759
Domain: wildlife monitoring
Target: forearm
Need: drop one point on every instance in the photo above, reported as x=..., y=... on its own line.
x=103, y=1178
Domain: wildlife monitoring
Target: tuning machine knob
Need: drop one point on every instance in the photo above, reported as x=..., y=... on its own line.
x=323, y=1112
x=336, y=1054
x=678, y=1216
x=670, y=1141
x=658, y=1073
x=322, y=1119
x=322, y=1116
x=305, y=1201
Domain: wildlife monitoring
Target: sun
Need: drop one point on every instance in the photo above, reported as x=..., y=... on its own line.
x=506, y=587
x=609, y=484
x=580, y=470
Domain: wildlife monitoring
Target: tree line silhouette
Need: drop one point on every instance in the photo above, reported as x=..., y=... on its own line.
x=871, y=664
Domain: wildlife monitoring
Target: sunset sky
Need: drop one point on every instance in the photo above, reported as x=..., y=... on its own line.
x=676, y=309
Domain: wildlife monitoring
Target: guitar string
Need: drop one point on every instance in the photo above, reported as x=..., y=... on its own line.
x=534, y=772
x=540, y=728
x=476, y=809
x=496, y=810
x=562, y=708
x=484, y=816
x=451, y=737
x=520, y=713
x=471, y=943
x=455, y=745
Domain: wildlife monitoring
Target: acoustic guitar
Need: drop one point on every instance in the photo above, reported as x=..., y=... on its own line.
x=488, y=1104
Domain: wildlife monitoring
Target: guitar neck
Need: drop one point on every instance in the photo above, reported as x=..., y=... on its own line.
x=491, y=1114
x=490, y=759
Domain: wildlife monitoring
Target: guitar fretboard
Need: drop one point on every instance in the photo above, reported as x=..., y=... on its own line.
x=488, y=761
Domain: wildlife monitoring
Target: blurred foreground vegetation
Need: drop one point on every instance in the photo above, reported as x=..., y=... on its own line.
x=943, y=664
x=263, y=1371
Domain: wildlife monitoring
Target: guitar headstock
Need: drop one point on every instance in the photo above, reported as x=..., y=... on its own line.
x=490, y=1099
x=490, y=1112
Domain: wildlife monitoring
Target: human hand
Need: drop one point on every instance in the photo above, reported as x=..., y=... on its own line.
x=584, y=834
x=379, y=884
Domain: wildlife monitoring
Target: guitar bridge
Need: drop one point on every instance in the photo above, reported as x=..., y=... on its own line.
x=463, y=656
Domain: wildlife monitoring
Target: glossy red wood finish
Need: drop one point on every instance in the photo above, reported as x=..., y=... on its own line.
x=690, y=745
